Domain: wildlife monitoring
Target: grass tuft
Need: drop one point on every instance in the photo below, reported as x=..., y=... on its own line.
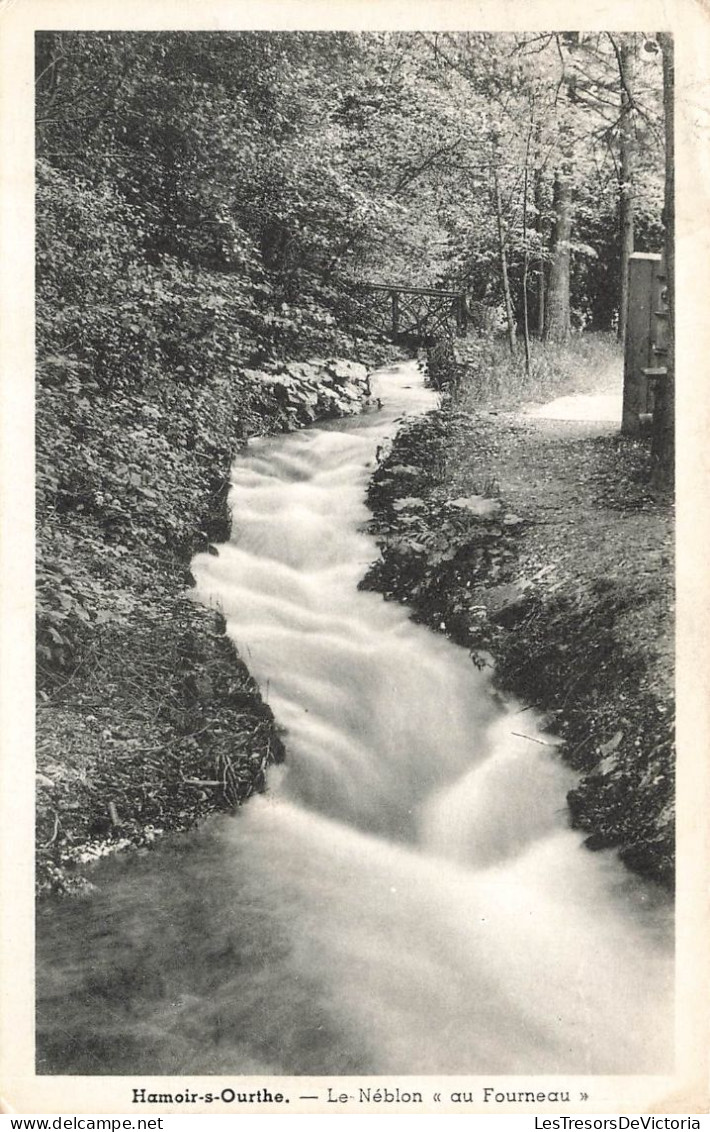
x=489, y=374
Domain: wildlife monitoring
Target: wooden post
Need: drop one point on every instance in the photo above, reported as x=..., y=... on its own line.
x=658, y=374
x=395, y=314
x=638, y=356
x=461, y=316
x=659, y=317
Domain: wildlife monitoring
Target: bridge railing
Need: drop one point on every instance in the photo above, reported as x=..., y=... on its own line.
x=419, y=312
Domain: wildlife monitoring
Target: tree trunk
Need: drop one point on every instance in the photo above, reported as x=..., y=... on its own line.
x=504, y=264
x=526, y=258
x=539, y=208
x=664, y=417
x=626, y=56
x=557, y=314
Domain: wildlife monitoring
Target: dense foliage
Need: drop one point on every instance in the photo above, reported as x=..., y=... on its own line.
x=207, y=204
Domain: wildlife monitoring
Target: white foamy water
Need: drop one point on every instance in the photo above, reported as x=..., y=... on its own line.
x=407, y=896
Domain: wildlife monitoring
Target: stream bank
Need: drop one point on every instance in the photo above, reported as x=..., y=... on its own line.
x=465, y=924
x=538, y=543
x=147, y=720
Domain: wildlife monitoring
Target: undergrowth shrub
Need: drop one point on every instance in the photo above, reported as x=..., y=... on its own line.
x=488, y=372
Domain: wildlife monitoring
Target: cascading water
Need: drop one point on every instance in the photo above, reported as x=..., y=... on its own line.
x=406, y=897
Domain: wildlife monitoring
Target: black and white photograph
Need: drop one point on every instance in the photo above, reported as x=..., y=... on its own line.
x=356, y=468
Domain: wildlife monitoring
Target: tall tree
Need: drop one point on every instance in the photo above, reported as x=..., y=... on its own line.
x=626, y=58
x=541, y=229
x=557, y=311
x=558, y=322
x=664, y=423
x=503, y=254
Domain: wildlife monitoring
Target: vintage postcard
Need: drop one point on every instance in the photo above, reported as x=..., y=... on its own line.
x=354, y=558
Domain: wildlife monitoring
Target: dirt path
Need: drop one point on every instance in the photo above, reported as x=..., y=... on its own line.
x=564, y=468
x=568, y=583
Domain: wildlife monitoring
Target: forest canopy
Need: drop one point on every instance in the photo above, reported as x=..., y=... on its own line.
x=232, y=175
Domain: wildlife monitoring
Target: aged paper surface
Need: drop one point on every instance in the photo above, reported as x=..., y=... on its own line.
x=684, y=1091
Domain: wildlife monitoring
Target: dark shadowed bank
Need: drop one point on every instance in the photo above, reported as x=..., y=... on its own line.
x=147, y=718
x=542, y=549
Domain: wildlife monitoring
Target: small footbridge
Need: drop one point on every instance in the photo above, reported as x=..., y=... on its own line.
x=414, y=314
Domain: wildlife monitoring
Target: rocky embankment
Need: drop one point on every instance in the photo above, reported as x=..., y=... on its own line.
x=540, y=546
x=147, y=720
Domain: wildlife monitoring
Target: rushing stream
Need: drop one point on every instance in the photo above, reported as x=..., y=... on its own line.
x=406, y=897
